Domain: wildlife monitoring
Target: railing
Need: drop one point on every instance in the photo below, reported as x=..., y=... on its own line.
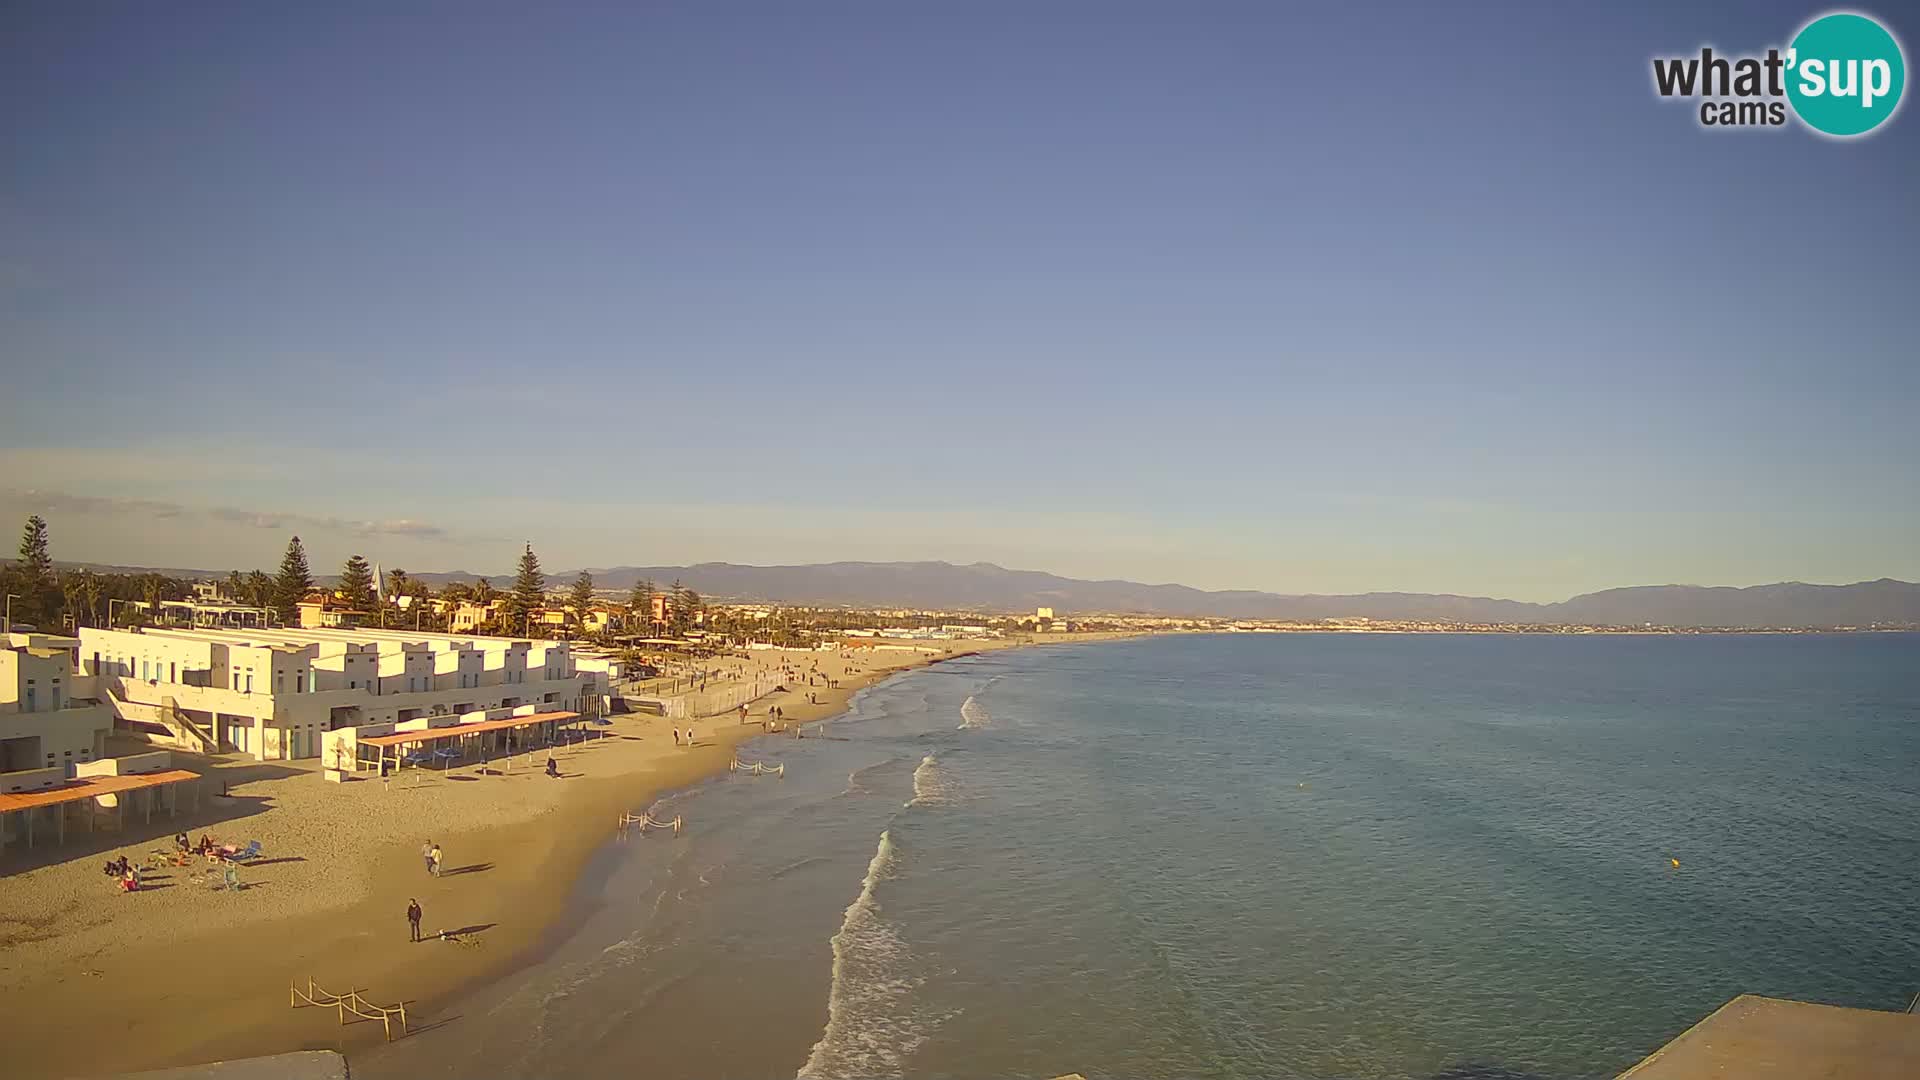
x=183, y=725
x=351, y=1002
x=165, y=713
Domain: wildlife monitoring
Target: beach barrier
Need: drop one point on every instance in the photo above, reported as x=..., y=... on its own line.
x=648, y=821
x=351, y=1002
x=758, y=768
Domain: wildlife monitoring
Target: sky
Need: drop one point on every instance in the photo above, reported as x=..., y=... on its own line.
x=1306, y=298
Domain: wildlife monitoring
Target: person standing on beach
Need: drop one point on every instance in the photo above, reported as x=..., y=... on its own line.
x=676, y=736
x=433, y=860
x=413, y=917
x=427, y=851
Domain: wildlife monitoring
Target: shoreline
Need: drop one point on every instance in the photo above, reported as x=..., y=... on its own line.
x=218, y=989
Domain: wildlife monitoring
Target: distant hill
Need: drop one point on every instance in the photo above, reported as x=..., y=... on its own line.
x=988, y=588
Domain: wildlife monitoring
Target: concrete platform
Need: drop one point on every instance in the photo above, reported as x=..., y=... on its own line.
x=1762, y=1038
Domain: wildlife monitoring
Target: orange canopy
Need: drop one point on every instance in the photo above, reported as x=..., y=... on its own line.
x=90, y=787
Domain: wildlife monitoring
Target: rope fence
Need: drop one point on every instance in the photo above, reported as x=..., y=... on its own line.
x=648, y=821
x=351, y=1002
x=758, y=768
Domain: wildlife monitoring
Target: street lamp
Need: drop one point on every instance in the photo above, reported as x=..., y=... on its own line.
x=11, y=597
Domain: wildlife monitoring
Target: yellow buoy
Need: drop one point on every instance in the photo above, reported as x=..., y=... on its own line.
x=1675, y=862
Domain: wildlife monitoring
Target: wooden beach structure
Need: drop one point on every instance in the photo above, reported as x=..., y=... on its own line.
x=1763, y=1038
x=462, y=742
x=147, y=790
x=350, y=1003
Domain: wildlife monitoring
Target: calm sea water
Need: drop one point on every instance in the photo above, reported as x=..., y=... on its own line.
x=1255, y=856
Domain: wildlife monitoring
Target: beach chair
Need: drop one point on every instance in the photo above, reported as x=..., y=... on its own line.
x=246, y=854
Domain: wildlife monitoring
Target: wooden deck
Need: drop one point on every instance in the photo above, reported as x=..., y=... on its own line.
x=1762, y=1038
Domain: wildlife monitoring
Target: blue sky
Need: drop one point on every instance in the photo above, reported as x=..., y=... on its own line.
x=1304, y=298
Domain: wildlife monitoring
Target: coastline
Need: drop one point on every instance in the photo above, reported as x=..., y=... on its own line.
x=216, y=987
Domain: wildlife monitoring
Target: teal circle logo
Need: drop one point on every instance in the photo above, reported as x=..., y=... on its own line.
x=1845, y=74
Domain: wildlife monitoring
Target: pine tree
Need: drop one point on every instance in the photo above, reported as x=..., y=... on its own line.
x=32, y=577
x=529, y=591
x=678, y=617
x=580, y=597
x=293, y=584
x=356, y=584
x=642, y=603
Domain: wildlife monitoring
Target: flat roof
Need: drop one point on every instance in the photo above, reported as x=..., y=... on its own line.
x=90, y=787
x=399, y=738
x=1763, y=1038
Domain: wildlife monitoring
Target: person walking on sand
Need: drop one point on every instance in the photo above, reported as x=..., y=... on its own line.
x=676, y=736
x=434, y=859
x=427, y=853
x=413, y=917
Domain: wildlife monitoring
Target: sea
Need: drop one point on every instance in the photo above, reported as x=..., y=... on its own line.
x=1444, y=857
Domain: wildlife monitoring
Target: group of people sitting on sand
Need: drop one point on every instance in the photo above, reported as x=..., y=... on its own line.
x=125, y=872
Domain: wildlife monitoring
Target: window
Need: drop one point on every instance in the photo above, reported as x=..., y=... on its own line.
x=30, y=694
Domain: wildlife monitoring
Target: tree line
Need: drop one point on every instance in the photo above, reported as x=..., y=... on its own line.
x=51, y=599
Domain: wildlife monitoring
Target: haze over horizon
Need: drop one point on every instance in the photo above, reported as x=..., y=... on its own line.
x=1110, y=291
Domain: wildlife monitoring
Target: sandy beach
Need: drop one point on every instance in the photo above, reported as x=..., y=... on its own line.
x=186, y=971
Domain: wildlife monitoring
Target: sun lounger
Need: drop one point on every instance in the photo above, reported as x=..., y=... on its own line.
x=251, y=851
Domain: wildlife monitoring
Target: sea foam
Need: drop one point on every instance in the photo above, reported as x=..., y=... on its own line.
x=930, y=785
x=872, y=1027
x=973, y=714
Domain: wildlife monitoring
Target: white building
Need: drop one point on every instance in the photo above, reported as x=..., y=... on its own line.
x=272, y=693
x=50, y=721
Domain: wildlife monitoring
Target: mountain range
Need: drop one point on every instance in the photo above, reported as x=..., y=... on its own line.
x=987, y=588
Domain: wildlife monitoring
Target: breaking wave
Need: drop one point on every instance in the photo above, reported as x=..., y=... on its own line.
x=871, y=1026
x=930, y=785
x=973, y=714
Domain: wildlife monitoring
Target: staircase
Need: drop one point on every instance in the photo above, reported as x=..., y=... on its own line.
x=185, y=728
x=185, y=732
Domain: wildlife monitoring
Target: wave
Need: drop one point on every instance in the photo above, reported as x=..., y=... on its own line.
x=869, y=1034
x=856, y=779
x=973, y=714
x=792, y=866
x=930, y=787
